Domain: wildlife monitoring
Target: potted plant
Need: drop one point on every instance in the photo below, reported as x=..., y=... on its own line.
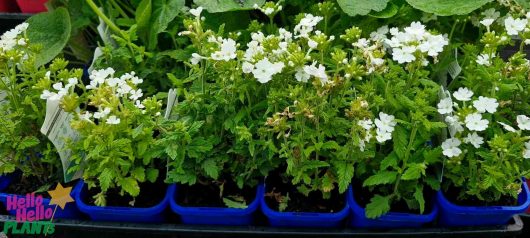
x=487, y=151
x=212, y=150
x=29, y=162
x=114, y=151
x=395, y=186
x=32, y=6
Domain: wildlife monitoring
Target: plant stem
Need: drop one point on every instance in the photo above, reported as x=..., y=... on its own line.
x=105, y=19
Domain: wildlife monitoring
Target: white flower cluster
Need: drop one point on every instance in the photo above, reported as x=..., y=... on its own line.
x=14, y=37
x=415, y=41
x=269, y=9
x=368, y=48
x=384, y=126
x=515, y=25
x=61, y=90
x=474, y=121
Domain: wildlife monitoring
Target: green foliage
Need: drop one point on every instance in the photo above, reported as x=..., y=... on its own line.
x=227, y=5
x=448, y=7
x=362, y=7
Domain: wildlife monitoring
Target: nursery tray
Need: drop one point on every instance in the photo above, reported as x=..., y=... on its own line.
x=73, y=228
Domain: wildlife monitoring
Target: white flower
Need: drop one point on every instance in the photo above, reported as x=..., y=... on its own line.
x=404, y=55
x=487, y=22
x=445, y=106
x=101, y=114
x=312, y=44
x=136, y=94
x=367, y=124
x=113, y=120
x=71, y=82
x=382, y=136
x=196, y=12
x=21, y=42
x=268, y=11
x=474, y=139
x=484, y=104
x=306, y=25
x=455, y=126
x=85, y=116
x=227, y=52
x=484, y=59
x=196, y=58
x=475, y=122
x=463, y=94
x=47, y=75
x=301, y=75
x=450, y=147
x=514, y=26
x=58, y=86
x=491, y=13
x=264, y=70
x=139, y=105
x=123, y=89
x=319, y=73
x=523, y=122
x=380, y=34
x=48, y=95
x=385, y=122
x=526, y=153
x=247, y=67
x=507, y=127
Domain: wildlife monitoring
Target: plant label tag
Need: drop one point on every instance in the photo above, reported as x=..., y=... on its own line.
x=57, y=128
x=454, y=69
x=172, y=100
x=3, y=98
x=97, y=53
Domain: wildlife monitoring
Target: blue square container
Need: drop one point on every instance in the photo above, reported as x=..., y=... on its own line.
x=455, y=215
x=155, y=214
x=389, y=220
x=215, y=215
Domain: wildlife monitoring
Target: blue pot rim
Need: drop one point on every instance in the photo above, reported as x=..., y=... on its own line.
x=523, y=205
x=214, y=211
x=334, y=216
x=156, y=209
x=392, y=216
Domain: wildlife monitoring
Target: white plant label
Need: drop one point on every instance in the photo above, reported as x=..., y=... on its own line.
x=172, y=100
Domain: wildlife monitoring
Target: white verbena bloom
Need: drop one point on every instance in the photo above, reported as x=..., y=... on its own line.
x=484, y=59
x=306, y=25
x=135, y=94
x=113, y=120
x=523, y=122
x=485, y=104
x=301, y=75
x=264, y=70
x=475, y=122
x=139, y=104
x=463, y=94
x=312, y=44
x=227, y=52
x=317, y=72
x=507, y=127
x=487, y=22
x=474, y=139
x=101, y=114
x=247, y=67
x=196, y=58
x=514, y=26
x=85, y=116
x=491, y=13
x=366, y=124
x=385, y=122
x=196, y=11
x=445, y=106
x=379, y=34
x=382, y=136
x=404, y=55
x=454, y=125
x=451, y=148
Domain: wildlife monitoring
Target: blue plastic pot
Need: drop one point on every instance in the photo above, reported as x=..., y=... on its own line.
x=215, y=215
x=153, y=214
x=70, y=210
x=455, y=215
x=389, y=220
x=304, y=219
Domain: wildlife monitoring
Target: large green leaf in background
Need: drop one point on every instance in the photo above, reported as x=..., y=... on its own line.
x=361, y=7
x=448, y=7
x=227, y=5
x=52, y=31
x=163, y=12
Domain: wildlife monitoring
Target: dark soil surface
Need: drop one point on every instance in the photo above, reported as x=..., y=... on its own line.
x=209, y=195
x=452, y=195
x=151, y=194
x=298, y=202
x=24, y=186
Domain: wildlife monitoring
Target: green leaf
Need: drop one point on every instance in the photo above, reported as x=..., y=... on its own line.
x=390, y=11
x=448, y=7
x=143, y=18
x=52, y=31
x=151, y=175
x=361, y=7
x=164, y=11
x=233, y=204
x=139, y=174
x=383, y=177
x=28, y=142
x=389, y=161
x=401, y=141
x=211, y=168
x=228, y=5
x=105, y=178
x=418, y=195
x=345, y=173
x=378, y=206
x=414, y=171
x=130, y=186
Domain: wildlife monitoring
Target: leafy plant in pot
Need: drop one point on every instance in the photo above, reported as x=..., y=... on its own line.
x=29, y=162
x=117, y=131
x=487, y=157
x=395, y=187
x=212, y=149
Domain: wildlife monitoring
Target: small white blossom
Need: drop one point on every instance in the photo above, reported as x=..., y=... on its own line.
x=264, y=70
x=301, y=75
x=445, y=106
x=487, y=22
x=113, y=120
x=404, y=55
x=306, y=25
x=474, y=139
x=385, y=122
x=247, y=67
x=367, y=124
x=484, y=59
x=135, y=94
x=514, y=26
x=101, y=114
x=463, y=94
x=196, y=12
x=317, y=72
x=523, y=122
x=475, y=122
x=139, y=105
x=382, y=136
x=455, y=126
x=312, y=44
x=507, y=127
x=451, y=148
x=227, y=52
x=485, y=104
x=85, y=116
x=491, y=13
x=196, y=58
x=379, y=34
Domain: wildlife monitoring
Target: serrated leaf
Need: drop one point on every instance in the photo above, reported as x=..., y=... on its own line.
x=448, y=7
x=345, y=174
x=151, y=175
x=389, y=161
x=400, y=139
x=164, y=11
x=130, y=186
x=198, y=146
x=28, y=142
x=383, y=177
x=377, y=206
x=361, y=7
x=418, y=195
x=210, y=167
x=143, y=18
x=228, y=5
x=234, y=204
x=52, y=31
x=138, y=173
x=414, y=171
x=105, y=178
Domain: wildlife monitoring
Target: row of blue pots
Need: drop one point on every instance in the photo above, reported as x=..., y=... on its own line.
x=448, y=214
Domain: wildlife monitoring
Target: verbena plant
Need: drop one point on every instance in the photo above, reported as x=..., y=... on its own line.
x=22, y=146
x=489, y=145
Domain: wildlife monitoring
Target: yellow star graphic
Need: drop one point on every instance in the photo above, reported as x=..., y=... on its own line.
x=60, y=196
